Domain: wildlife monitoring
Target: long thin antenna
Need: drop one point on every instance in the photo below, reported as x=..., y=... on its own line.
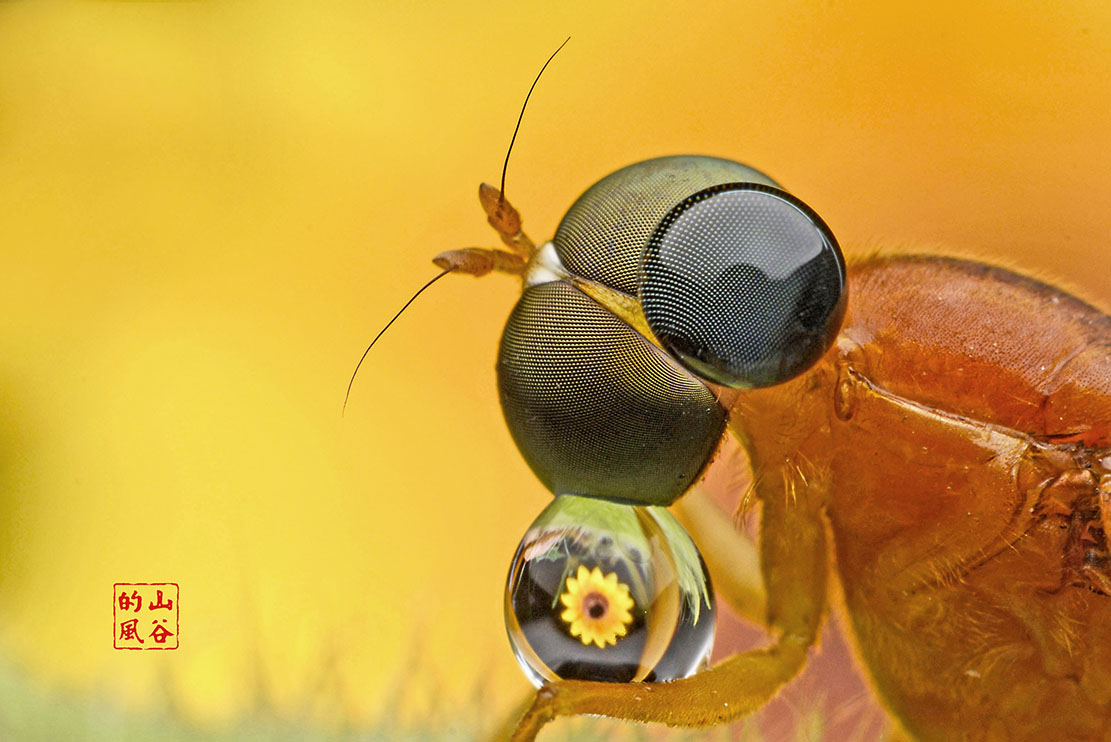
x=505, y=166
x=383, y=330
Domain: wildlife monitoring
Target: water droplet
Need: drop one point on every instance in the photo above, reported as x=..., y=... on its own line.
x=604, y=591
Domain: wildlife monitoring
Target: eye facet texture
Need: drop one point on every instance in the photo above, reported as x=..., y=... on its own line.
x=595, y=408
x=603, y=234
x=744, y=284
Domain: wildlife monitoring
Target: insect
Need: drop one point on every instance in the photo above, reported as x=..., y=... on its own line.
x=908, y=435
x=951, y=468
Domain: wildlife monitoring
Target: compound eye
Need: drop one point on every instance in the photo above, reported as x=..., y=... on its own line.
x=595, y=408
x=744, y=284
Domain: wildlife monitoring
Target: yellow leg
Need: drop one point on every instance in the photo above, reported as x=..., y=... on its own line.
x=732, y=557
x=793, y=559
x=895, y=733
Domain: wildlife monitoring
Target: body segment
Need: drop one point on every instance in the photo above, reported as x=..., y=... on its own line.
x=965, y=456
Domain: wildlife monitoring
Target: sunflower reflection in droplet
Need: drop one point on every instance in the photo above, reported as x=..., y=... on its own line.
x=604, y=591
x=596, y=607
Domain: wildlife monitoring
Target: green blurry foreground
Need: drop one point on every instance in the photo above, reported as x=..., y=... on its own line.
x=29, y=713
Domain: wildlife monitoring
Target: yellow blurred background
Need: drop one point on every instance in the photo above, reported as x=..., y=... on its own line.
x=207, y=209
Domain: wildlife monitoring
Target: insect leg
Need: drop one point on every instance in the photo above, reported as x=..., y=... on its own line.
x=731, y=556
x=793, y=559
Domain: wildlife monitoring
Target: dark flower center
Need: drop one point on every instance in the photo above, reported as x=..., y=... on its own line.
x=595, y=605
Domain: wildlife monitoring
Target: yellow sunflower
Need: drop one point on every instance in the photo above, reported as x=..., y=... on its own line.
x=597, y=606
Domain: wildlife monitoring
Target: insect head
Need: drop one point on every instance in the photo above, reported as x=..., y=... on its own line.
x=665, y=281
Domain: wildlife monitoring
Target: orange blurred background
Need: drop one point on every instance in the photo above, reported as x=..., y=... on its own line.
x=207, y=209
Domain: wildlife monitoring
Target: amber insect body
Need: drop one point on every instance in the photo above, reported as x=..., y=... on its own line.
x=961, y=464
x=950, y=467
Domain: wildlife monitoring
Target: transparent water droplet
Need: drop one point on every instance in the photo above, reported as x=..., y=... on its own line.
x=611, y=592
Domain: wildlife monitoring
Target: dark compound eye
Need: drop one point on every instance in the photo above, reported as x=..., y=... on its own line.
x=744, y=284
x=595, y=408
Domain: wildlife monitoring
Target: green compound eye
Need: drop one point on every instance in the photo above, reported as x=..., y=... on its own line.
x=603, y=591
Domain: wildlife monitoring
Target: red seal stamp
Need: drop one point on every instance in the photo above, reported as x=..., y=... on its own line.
x=145, y=615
